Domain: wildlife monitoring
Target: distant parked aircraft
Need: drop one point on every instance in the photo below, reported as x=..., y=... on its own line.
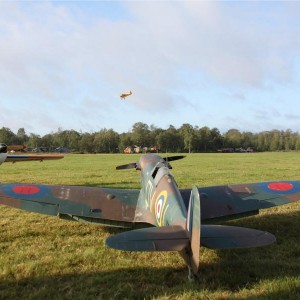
x=5, y=157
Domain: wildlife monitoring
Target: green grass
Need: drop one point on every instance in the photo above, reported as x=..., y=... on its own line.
x=46, y=258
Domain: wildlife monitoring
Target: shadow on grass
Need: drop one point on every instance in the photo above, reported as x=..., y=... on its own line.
x=143, y=283
x=232, y=272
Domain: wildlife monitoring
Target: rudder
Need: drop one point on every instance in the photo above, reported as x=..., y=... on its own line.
x=191, y=254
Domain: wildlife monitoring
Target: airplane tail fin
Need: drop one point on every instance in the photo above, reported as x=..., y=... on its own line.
x=167, y=238
x=191, y=253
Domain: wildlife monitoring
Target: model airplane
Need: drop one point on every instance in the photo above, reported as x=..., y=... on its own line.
x=123, y=96
x=4, y=157
x=162, y=216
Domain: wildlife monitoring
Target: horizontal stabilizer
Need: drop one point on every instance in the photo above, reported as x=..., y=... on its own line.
x=230, y=237
x=167, y=238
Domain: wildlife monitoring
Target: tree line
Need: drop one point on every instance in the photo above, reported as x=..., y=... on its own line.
x=186, y=138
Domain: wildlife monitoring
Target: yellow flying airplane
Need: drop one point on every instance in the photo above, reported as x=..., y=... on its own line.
x=123, y=96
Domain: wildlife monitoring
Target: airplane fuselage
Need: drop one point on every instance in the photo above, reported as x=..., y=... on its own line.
x=123, y=96
x=159, y=193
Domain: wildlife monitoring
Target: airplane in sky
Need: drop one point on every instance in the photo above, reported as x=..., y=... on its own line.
x=123, y=96
x=5, y=157
x=160, y=216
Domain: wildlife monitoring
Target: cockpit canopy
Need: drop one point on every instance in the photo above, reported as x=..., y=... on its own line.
x=3, y=148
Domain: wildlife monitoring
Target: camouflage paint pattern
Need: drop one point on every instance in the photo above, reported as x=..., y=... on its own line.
x=234, y=201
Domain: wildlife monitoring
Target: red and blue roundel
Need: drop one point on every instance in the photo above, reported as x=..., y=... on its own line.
x=160, y=207
x=25, y=191
x=280, y=187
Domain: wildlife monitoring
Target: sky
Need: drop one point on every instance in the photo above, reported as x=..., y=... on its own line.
x=63, y=65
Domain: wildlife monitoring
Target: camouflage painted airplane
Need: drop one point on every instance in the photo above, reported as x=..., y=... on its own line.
x=162, y=216
x=123, y=96
x=5, y=157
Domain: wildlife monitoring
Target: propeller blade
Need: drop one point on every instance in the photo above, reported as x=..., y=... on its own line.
x=127, y=166
x=136, y=166
x=172, y=158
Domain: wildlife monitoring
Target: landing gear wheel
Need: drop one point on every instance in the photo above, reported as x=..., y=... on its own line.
x=192, y=276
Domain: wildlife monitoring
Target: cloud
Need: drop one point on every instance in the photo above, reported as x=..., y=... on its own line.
x=61, y=55
x=158, y=39
x=292, y=117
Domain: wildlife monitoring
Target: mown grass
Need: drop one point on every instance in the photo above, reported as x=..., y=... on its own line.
x=43, y=257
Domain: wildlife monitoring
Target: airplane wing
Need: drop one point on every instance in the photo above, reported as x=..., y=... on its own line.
x=235, y=201
x=16, y=158
x=111, y=207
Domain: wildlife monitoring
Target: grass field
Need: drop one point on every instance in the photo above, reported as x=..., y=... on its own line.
x=43, y=257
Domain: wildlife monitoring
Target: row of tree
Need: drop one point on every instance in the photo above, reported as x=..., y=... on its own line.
x=187, y=138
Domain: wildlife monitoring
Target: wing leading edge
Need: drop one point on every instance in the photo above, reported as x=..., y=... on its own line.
x=234, y=201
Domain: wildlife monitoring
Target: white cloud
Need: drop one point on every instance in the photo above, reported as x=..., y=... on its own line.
x=52, y=53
